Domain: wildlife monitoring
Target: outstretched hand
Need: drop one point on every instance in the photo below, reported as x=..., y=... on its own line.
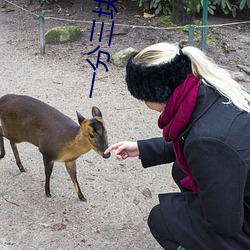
x=124, y=150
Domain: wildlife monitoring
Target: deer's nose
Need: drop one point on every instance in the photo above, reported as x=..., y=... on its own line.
x=106, y=156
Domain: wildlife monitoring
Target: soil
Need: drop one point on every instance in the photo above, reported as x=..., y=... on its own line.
x=119, y=195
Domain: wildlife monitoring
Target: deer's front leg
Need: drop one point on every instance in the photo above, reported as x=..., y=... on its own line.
x=71, y=168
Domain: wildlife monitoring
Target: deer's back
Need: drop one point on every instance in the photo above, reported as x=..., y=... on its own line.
x=24, y=118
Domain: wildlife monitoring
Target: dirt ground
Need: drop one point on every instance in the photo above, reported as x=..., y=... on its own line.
x=119, y=195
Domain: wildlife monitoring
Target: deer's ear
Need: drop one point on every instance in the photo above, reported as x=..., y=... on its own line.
x=80, y=118
x=96, y=112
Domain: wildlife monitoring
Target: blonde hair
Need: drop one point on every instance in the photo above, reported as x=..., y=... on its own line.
x=202, y=67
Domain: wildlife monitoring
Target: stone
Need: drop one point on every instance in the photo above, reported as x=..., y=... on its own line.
x=2, y=3
x=147, y=193
x=121, y=58
x=239, y=76
x=63, y=34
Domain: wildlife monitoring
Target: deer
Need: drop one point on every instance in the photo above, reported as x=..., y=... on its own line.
x=58, y=138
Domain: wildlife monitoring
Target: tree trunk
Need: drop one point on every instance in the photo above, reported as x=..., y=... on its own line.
x=183, y=11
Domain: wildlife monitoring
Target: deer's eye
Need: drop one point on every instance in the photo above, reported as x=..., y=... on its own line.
x=91, y=136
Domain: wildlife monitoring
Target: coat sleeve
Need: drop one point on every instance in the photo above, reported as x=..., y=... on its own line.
x=220, y=173
x=155, y=151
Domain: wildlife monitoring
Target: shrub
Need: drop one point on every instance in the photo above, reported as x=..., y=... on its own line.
x=165, y=6
x=157, y=6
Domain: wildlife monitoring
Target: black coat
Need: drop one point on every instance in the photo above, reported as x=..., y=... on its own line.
x=216, y=145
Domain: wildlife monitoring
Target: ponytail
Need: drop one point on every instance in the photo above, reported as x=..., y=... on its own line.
x=218, y=78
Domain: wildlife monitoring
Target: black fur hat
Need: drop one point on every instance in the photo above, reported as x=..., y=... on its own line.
x=156, y=83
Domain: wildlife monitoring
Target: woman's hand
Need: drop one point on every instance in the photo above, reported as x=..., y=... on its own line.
x=124, y=150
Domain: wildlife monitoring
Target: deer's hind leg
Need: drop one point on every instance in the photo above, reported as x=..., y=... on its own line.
x=48, y=164
x=71, y=168
x=1, y=144
x=16, y=154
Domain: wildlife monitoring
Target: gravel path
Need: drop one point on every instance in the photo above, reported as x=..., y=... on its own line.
x=120, y=195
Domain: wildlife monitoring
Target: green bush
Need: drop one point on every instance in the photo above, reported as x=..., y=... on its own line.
x=211, y=7
x=227, y=6
x=156, y=6
x=232, y=6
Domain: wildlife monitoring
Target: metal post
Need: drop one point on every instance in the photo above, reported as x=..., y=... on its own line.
x=191, y=35
x=42, y=31
x=204, y=24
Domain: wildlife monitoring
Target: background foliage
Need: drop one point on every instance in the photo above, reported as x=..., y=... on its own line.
x=157, y=6
x=165, y=6
x=227, y=6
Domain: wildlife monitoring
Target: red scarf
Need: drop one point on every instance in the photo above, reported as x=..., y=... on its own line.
x=174, y=119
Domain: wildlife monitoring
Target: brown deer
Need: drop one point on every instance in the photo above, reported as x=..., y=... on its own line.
x=59, y=138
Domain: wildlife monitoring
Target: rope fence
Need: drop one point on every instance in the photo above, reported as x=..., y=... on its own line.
x=191, y=28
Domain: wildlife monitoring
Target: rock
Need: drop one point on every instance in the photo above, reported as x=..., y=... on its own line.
x=239, y=76
x=147, y=193
x=2, y=3
x=121, y=58
x=63, y=34
x=45, y=225
x=136, y=201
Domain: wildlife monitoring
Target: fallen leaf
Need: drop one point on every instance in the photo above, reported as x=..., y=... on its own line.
x=147, y=15
x=58, y=227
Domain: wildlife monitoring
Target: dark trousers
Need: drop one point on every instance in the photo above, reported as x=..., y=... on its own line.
x=156, y=221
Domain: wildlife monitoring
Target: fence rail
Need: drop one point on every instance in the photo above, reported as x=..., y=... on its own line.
x=191, y=28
